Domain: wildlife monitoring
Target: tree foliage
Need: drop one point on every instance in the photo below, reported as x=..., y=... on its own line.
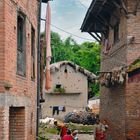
x=86, y=55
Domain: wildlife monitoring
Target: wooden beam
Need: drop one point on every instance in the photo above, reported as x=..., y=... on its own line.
x=103, y=3
x=94, y=37
x=104, y=20
x=136, y=6
x=121, y=6
x=116, y=4
x=98, y=36
x=88, y=29
x=100, y=21
x=124, y=7
x=105, y=34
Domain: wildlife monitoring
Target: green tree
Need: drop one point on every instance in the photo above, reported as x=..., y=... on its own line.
x=86, y=55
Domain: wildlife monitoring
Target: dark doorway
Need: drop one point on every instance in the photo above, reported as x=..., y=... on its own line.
x=17, y=123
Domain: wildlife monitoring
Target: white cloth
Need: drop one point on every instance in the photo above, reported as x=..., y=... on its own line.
x=61, y=108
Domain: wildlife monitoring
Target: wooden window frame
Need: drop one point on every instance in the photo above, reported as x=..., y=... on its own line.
x=21, y=44
x=33, y=53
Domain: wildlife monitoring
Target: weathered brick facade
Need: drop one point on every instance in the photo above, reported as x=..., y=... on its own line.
x=17, y=93
x=120, y=104
x=132, y=108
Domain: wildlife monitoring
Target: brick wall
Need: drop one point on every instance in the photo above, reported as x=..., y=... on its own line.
x=132, y=87
x=2, y=41
x=22, y=86
x=112, y=107
x=120, y=105
x=133, y=110
x=133, y=27
x=1, y=122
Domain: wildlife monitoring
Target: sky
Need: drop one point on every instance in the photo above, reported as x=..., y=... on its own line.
x=68, y=15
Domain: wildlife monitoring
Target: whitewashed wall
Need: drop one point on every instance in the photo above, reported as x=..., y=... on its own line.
x=73, y=82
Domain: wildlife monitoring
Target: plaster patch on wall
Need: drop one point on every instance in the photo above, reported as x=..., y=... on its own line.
x=133, y=114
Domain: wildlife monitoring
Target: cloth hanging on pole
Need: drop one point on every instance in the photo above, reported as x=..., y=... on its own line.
x=48, y=47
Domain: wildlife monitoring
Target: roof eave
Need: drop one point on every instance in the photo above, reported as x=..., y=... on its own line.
x=87, y=16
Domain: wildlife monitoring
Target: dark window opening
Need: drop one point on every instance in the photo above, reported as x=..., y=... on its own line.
x=134, y=76
x=21, y=44
x=58, y=85
x=133, y=73
x=65, y=71
x=32, y=53
x=116, y=32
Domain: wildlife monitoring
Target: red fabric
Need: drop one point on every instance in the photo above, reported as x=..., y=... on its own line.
x=63, y=131
x=100, y=136
x=48, y=47
x=67, y=137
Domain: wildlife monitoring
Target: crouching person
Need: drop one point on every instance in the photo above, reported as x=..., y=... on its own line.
x=100, y=129
x=68, y=136
x=74, y=134
x=62, y=129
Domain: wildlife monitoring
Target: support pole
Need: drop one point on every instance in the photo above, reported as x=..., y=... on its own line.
x=38, y=67
x=98, y=36
x=38, y=71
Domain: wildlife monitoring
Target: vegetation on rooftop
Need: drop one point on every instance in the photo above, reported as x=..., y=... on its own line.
x=134, y=65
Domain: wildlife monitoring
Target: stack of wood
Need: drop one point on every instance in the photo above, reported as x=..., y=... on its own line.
x=115, y=77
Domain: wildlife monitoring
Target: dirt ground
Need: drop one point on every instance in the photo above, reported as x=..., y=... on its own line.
x=80, y=136
x=85, y=137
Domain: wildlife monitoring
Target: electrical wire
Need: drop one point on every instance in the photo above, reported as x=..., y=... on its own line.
x=82, y=4
x=110, y=56
x=67, y=31
x=71, y=33
x=60, y=28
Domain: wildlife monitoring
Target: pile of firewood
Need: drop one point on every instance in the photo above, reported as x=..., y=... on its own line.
x=116, y=77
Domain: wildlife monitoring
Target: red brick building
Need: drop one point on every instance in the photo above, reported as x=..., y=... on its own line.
x=118, y=22
x=18, y=69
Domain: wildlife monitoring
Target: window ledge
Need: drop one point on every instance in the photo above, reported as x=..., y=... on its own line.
x=19, y=74
x=67, y=93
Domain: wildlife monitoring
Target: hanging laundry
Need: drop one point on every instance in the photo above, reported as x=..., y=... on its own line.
x=107, y=46
x=48, y=47
x=61, y=108
x=55, y=110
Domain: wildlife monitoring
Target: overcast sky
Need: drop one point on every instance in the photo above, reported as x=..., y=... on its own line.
x=68, y=15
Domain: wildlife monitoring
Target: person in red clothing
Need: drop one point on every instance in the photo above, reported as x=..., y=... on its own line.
x=100, y=129
x=63, y=131
x=68, y=136
x=61, y=128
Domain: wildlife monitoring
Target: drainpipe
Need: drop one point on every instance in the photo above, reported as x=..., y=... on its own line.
x=38, y=70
